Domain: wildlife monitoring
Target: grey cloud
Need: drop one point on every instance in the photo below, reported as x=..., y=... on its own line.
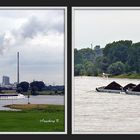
x=58, y=27
x=18, y=39
x=3, y=43
x=34, y=26
x=30, y=29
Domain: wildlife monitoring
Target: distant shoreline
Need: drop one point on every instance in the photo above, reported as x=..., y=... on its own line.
x=129, y=76
x=123, y=76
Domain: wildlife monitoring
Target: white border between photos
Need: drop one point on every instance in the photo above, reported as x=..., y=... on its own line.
x=73, y=45
x=65, y=61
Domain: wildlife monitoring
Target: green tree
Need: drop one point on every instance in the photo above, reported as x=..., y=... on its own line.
x=39, y=84
x=79, y=70
x=24, y=85
x=90, y=68
x=134, y=57
x=93, y=62
x=101, y=64
x=34, y=90
x=116, y=68
x=87, y=54
x=78, y=58
x=19, y=90
x=117, y=51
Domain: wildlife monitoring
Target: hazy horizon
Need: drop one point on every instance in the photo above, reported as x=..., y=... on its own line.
x=101, y=27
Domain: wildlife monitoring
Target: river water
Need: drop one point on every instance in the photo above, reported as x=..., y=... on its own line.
x=40, y=99
x=96, y=112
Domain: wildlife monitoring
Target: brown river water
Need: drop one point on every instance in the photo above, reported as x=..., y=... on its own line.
x=95, y=112
x=40, y=99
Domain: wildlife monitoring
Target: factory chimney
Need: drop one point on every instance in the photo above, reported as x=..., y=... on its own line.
x=17, y=67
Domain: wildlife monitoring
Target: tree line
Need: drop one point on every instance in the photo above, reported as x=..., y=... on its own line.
x=34, y=87
x=118, y=57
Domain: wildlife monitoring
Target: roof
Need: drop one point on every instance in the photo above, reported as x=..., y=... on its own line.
x=130, y=85
x=114, y=86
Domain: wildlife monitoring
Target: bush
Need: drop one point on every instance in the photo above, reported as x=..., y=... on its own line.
x=116, y=68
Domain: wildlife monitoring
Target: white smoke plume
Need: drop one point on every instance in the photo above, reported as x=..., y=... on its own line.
x=29, y=30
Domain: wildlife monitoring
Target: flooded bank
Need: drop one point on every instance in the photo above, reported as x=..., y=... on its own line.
x=40, y=99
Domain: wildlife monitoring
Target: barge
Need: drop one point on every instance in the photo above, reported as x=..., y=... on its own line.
x=113, y=87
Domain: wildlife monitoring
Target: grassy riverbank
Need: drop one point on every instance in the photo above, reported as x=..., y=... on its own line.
x=33, y=118
x=129, y=76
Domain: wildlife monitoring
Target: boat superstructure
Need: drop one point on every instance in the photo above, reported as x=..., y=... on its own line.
x=11, y=96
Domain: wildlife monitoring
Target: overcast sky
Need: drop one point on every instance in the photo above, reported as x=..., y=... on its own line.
x=100, y=27
x=38, y=35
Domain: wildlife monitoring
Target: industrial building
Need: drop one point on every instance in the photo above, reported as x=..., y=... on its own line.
x=5, y=80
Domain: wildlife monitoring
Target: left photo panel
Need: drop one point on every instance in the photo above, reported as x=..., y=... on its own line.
x=33, y=70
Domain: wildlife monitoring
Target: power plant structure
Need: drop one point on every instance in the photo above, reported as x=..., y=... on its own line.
x=17, y=67
x=5, y=80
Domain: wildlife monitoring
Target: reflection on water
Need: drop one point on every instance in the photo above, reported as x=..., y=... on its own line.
x=40, y=99
x=104, y=112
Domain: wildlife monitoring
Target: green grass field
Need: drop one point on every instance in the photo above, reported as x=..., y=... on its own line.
x=33, y=118
x=130, y=76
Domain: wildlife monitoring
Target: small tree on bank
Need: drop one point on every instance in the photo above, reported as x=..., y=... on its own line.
x=34, y=90
x=39, y=85
x=116, y=68
x=24, y=85
x=19, y=90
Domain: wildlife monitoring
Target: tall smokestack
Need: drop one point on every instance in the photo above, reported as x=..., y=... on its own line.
x=91, y=46
x=17, y=67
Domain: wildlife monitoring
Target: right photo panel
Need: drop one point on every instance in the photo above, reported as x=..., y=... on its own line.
x=106, y=70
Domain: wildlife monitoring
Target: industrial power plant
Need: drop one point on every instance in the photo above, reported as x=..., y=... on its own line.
x=6, y=79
